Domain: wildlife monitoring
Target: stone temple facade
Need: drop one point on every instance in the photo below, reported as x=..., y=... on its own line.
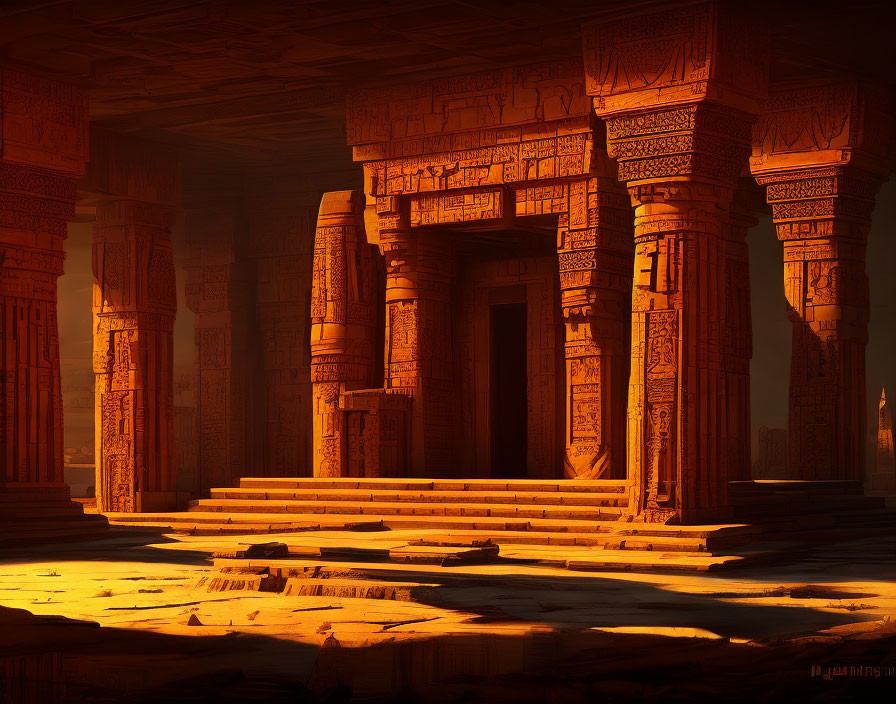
x=531, y=269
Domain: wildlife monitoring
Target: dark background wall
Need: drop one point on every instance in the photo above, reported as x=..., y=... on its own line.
x=771, y=329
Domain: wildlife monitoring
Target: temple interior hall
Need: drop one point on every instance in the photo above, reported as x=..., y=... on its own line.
x=447, y=351
x=425, y=240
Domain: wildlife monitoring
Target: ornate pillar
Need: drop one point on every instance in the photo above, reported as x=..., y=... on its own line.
x=822, y=153
x=134, y=304
x=344, y=306
x=595, y=257
x=677, y=90
x=43, y=149
x=420, y=268
x=220, y=287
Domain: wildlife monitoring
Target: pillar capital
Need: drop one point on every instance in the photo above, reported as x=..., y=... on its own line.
x=129, y=169
x=822, y=151
x=43, y=124
x=701, y=52
x=824, y=127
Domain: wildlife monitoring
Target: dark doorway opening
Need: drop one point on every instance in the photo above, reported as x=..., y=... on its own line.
x=508, y=380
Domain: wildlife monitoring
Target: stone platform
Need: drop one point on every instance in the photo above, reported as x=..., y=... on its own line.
x=156, y=619
x=33, y=514
x=579, y=525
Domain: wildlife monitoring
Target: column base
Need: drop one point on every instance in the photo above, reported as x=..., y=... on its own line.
x=33, y=513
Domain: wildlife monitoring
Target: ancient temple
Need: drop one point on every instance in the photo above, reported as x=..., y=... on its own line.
x=523, y=263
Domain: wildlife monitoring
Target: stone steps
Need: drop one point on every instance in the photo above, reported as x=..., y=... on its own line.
x=43, y=511
x=21, y=532
x=580, y=498
x=384, y=508
x=321, y=521
x=768, y=513
x=36, y=514
x=798, y=502
x=439, y=485
x=580, y=525
x=764, y=487
x=609, y=535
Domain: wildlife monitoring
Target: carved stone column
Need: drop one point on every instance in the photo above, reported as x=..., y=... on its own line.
x=595, y=253
x=678, y=90
x=220, y=287
x=43, y=148
x=822, y=153
x=134, y=307
x=134, y=303
x=420, y=268
x=344, y=311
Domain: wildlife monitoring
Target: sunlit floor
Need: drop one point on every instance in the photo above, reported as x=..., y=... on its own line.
x=835, y=594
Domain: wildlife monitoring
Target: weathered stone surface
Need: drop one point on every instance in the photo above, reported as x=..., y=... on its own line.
x=681, y=134
x=43, y=148
x=137, y=186
x=772, y=460
x=821, y=152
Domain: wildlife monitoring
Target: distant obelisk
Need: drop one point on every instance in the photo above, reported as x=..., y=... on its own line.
x=884, y=477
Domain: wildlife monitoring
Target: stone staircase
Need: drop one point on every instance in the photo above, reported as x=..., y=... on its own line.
x=579, y=524
x=39, y=514
x=815, y=511
x=575, y=524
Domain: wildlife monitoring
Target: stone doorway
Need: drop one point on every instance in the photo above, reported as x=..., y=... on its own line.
x=508, y=381
x=509, y=344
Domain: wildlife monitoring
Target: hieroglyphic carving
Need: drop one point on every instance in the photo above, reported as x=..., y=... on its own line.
x=343, y=323
x=677, y=89
x=820, y=118
x=134, y=308
x=376, y=433
x=820, y=153
x=43, y=123
x=438, y=153
x=709, y=50
x=43, y=146
x=555, y=151
x=454, y=208
x=433, y=110
x=595, y=261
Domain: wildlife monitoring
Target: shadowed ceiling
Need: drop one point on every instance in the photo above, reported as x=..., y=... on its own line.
x=259, y=78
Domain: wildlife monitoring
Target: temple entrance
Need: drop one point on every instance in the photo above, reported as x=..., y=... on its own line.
x=508, y=401
x=509, y=359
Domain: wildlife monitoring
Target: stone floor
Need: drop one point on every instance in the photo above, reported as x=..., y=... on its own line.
x=514, y=629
